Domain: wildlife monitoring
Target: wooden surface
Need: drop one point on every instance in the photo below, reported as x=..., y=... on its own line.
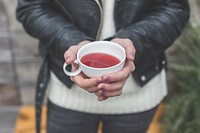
x=156, y=126
x=25, y=122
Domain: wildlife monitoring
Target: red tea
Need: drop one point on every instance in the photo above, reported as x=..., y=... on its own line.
x=99, y=60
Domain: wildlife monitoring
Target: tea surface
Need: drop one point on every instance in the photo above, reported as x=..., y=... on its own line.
x=99, y=60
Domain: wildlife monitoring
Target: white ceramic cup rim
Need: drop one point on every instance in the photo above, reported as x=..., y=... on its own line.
x=80, y=51
x=96, y=68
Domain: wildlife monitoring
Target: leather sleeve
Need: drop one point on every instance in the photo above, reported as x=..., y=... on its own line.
x=158, y=30
x=42, y=22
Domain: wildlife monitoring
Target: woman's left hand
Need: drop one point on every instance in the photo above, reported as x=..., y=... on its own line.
x=113, y=83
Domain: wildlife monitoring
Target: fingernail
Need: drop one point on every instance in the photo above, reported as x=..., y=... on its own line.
x=100, y=92
x=100, y=98
x=102, y=87
x=98, y=81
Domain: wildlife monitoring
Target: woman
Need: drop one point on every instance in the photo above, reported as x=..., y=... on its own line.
x=125, y=101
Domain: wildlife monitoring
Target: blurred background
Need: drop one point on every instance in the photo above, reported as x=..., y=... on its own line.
x=19, y=65
x=20, y=62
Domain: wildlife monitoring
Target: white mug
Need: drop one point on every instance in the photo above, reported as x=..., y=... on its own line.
x=102, y=47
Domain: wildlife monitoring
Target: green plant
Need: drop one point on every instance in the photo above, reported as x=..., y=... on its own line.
x=182, y=113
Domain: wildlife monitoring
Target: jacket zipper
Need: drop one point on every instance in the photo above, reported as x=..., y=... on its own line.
x=101, y=19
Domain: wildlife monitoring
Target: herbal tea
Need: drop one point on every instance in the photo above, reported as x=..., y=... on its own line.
x=99, y=60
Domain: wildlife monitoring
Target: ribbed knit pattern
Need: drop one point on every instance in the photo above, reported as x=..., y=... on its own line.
x=133, y=99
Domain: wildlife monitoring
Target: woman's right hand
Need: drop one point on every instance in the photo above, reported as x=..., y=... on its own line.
x=88, y=84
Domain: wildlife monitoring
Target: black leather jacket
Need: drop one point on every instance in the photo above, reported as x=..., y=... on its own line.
x=152, y=25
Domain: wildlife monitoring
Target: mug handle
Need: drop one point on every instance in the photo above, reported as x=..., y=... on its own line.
x=71, y=73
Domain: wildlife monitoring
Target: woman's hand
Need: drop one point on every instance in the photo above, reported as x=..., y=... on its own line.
x=89, y=84
x=113, y=83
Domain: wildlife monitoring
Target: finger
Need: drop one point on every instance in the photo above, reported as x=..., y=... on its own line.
x=70, y=55
x=121, y=75
x=115, y=86
x=128, y=46
x=92, y=90
x=85, y=82
x=73, y=69
x=101, y=98
x=130, y=50
x=99, y=92
x=112, y=93
x=75, y=48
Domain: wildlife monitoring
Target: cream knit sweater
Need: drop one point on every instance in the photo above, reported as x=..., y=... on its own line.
x=133, y=99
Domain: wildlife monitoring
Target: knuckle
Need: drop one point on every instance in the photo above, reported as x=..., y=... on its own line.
x=107, y=94
x=125, y=74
